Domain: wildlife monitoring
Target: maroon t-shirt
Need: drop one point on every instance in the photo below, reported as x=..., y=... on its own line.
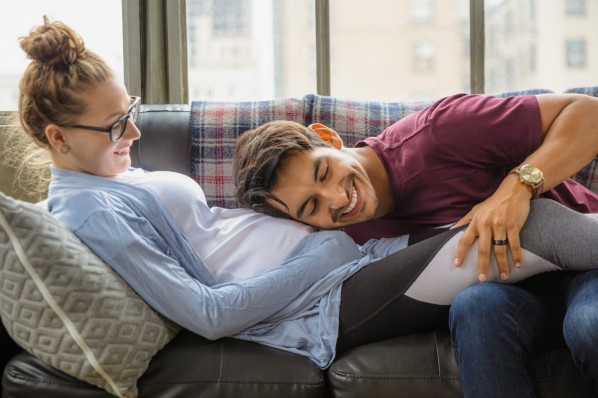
x=447, y=158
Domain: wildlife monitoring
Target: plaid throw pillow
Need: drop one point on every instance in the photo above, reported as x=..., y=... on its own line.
x=215, y=126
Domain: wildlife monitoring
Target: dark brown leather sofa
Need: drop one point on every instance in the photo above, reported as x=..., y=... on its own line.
x=418, y=365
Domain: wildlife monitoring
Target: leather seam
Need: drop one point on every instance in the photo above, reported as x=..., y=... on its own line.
x=21, y=377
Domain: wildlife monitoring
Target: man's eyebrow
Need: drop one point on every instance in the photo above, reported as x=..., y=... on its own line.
x=317, y=164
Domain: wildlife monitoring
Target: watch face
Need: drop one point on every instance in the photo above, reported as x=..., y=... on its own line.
x=531, y=174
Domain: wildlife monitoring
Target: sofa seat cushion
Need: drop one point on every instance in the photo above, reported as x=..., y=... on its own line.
x=189, y=366
x=417, y=365
x=423, y=365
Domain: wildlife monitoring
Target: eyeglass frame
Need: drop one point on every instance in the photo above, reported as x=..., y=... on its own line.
x=123, y=120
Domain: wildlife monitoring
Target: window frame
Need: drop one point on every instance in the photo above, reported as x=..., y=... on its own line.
x=175, y=39
x=155, y=43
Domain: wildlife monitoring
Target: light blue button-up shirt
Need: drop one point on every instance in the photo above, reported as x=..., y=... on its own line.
x=294, y=306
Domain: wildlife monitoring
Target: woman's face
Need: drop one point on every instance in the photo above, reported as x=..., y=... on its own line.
x=93, y=152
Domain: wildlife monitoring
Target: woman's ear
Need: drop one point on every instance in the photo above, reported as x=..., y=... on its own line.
x=55, y=136
x=327, y=134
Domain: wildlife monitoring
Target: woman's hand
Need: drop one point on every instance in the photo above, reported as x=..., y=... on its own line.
x=498, y=218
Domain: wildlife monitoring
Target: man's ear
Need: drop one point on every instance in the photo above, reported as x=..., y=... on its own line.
x=55, y=136
x=327, y=134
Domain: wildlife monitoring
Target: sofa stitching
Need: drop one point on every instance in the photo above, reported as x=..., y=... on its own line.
x=19, y=376
x=221, y=362
x=16, y=375
x=248, y=382
x=370, y=377
x=350, y=375
x=437, y=354
x=165, y=110
x=353, y=376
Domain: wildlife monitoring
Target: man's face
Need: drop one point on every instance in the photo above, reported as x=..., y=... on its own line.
x=327, y=188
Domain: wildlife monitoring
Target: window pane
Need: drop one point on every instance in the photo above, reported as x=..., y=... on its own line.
x=576, y=54
x=540, y=44
x=242, y=50
x=421, y=10
x=575, y=7
x=394, y=50
x=98, y=23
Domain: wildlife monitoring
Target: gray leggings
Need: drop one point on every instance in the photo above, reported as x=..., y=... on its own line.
x=411, y=290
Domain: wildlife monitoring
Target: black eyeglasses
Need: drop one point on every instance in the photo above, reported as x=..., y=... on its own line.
x=117, y=130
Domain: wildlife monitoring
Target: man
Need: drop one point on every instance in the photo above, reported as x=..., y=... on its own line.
x=465, y=159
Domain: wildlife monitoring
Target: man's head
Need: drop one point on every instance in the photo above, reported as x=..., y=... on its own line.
x=285, y=169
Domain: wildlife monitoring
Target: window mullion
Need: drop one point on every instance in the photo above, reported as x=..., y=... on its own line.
x=176, y=47
x=155, y=44
x=476, y=45
x=131, y=10
x=323, y=46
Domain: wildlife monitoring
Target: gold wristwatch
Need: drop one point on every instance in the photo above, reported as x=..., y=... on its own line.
x=532, y=177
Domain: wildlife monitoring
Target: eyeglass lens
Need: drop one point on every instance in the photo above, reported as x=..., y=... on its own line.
x=119, y=128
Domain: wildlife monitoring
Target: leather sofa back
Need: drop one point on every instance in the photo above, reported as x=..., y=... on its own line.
x=164, y=142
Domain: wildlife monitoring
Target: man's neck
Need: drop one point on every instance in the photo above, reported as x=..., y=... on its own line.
x=378, y=177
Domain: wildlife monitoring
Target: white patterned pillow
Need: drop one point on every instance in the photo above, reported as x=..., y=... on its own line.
x=62, y=304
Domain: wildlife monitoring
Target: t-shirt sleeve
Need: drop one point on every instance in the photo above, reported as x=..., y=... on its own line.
x=476, y=129
x=498, y=131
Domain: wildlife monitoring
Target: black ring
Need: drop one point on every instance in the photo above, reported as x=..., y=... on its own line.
x=499, y=242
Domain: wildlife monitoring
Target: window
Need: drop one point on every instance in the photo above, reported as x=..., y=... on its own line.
x=230, y=18
x=532, y=58
x=535, y=60
x=99, y=23
x=250, y=49
x=422, y=11
x=372, y=49
x=382, y=50
x=424, y=55
x=576, y=53
x=575, y=7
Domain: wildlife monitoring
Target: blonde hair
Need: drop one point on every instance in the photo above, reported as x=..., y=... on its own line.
x=61, y=69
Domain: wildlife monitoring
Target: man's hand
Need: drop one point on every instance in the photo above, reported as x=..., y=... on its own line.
x=500, y=217
x=570, y=126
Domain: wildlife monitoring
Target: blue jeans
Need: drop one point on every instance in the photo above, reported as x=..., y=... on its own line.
x=496, y=329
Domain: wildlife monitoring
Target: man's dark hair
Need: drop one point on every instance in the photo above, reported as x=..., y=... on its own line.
x=257, y=158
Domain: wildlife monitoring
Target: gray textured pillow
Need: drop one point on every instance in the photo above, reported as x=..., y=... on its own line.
x=62, y=304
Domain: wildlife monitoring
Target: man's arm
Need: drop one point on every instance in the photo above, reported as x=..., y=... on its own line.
x=570, y=122
x=570, y=125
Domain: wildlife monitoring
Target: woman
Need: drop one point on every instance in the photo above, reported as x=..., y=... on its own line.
x=305, y=292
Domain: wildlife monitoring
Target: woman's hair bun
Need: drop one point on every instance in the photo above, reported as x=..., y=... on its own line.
x=53, y=44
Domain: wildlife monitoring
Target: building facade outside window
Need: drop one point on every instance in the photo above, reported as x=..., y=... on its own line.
x=560, y=52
